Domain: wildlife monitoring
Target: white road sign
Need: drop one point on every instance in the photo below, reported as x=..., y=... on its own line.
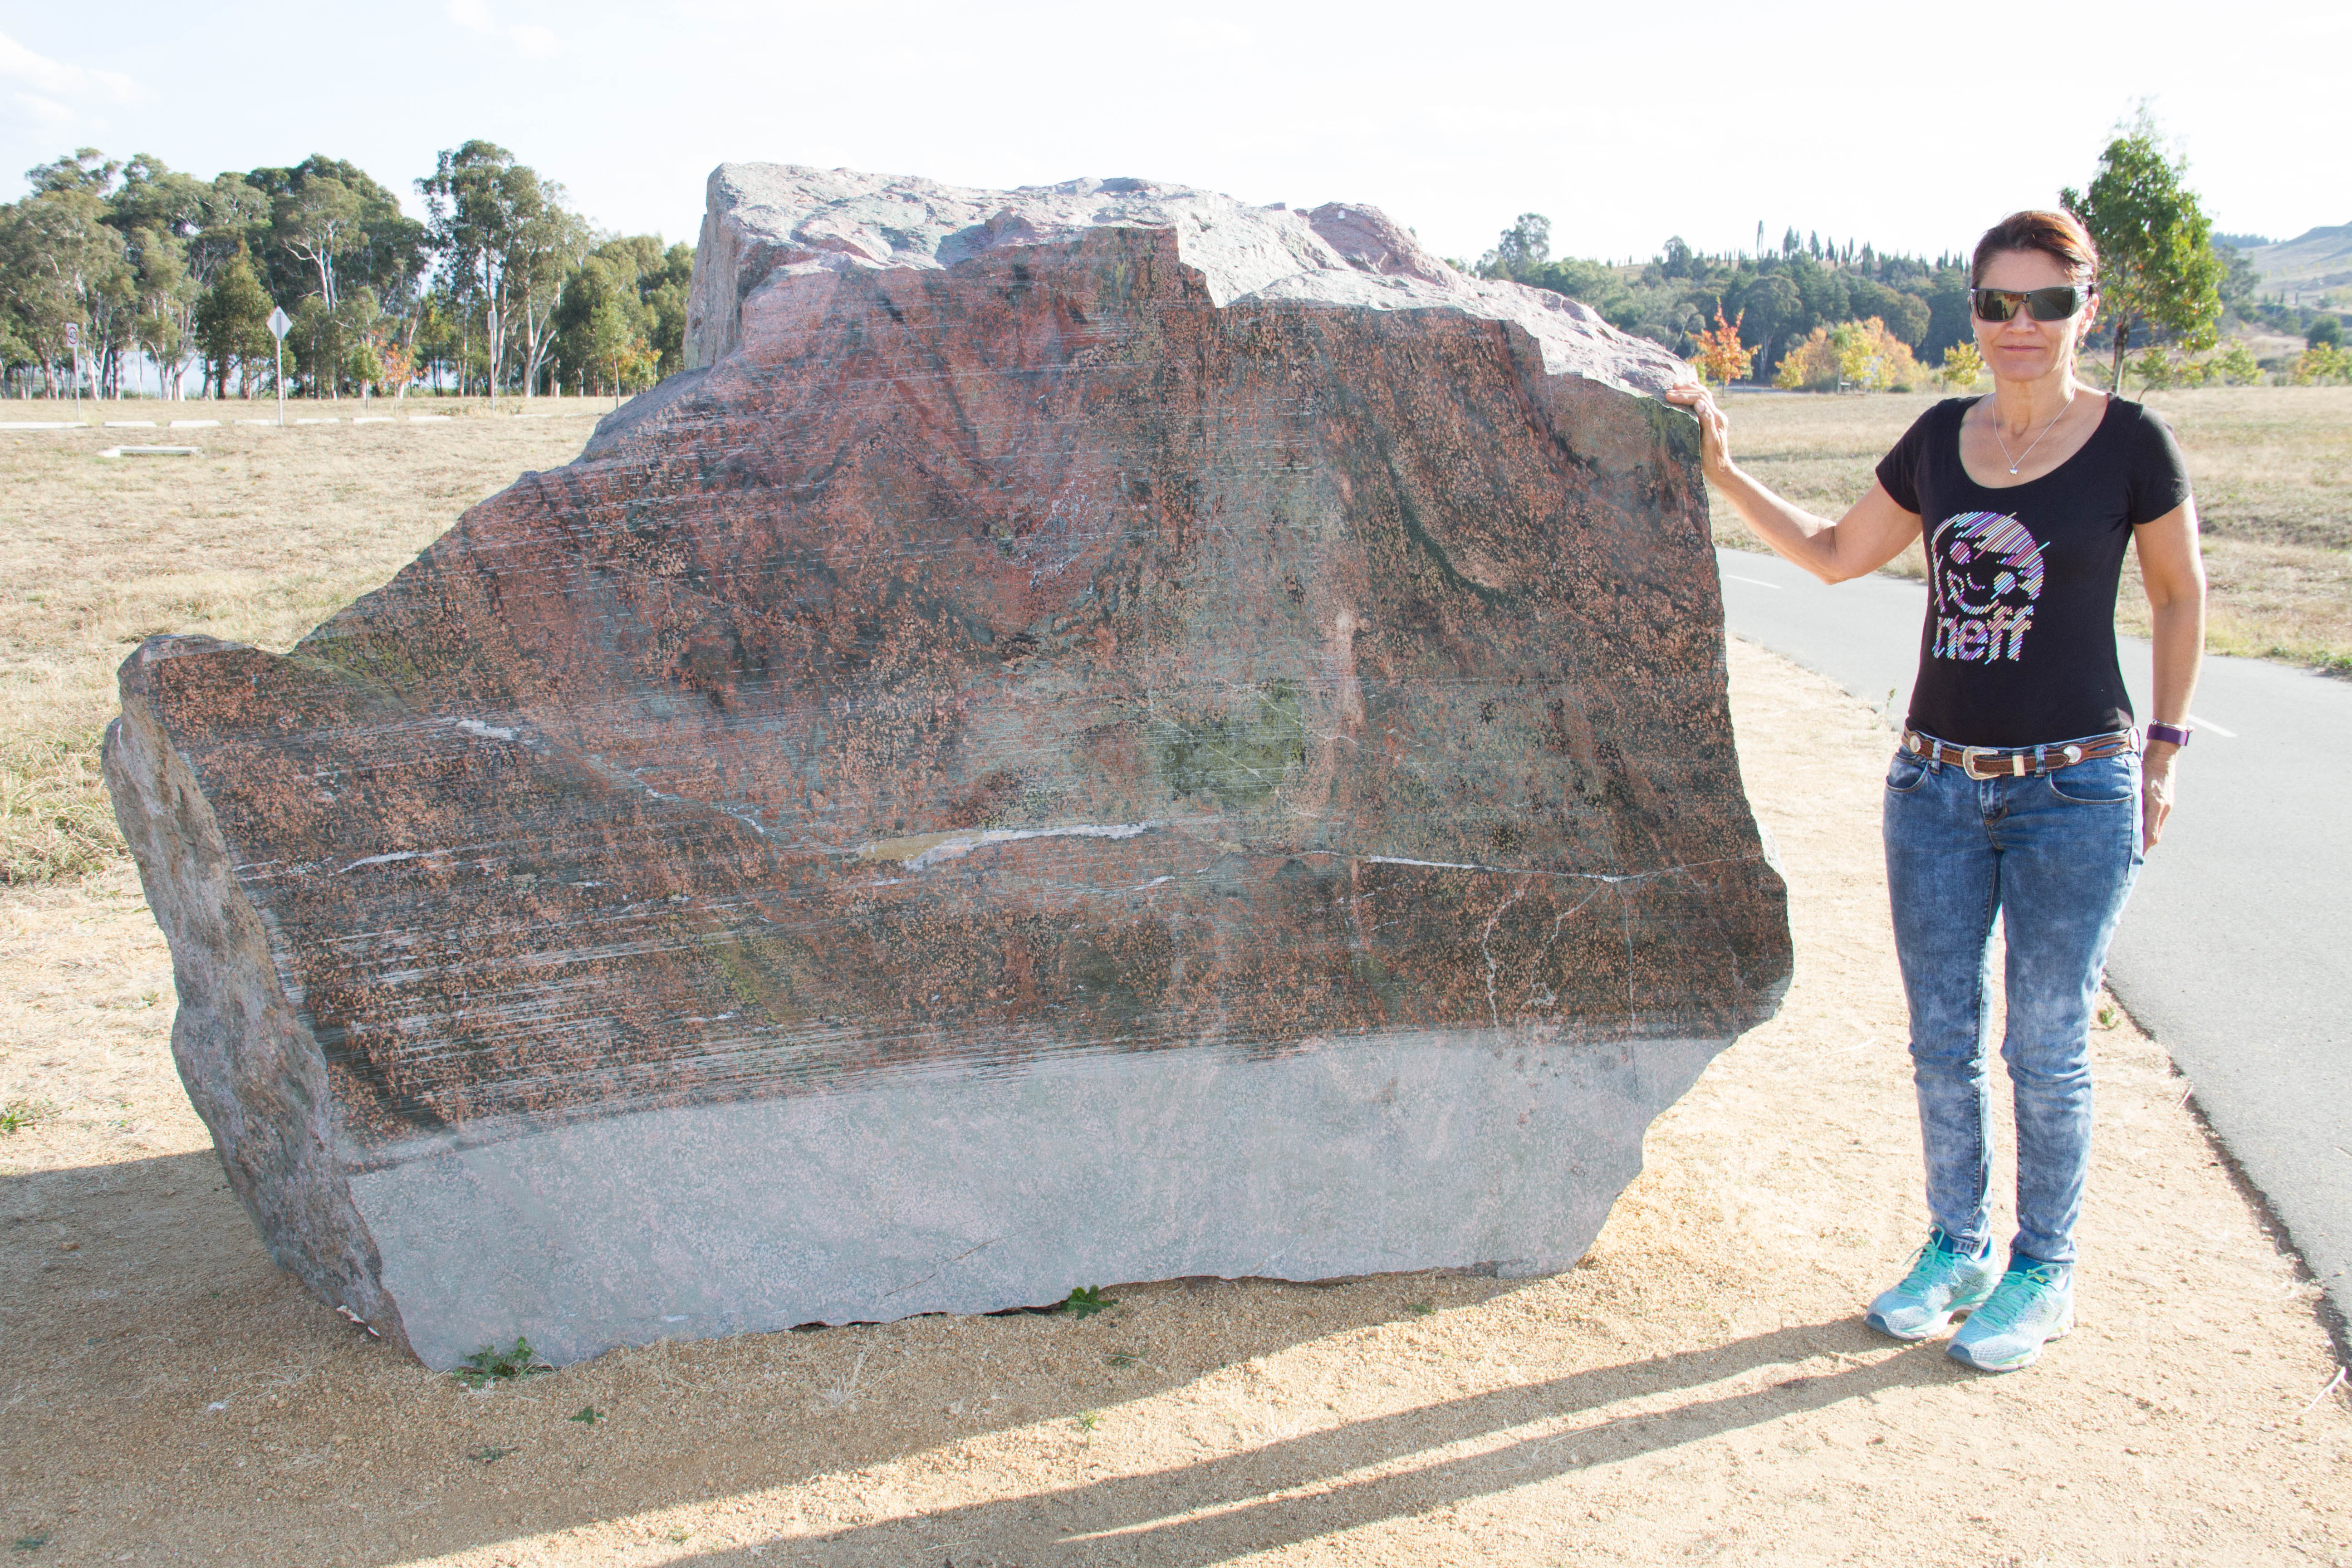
x=279, y=323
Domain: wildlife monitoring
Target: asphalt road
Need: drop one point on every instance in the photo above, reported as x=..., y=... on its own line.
x=2236, y=950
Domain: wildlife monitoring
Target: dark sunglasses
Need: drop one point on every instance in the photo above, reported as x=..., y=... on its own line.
x=2056, y=303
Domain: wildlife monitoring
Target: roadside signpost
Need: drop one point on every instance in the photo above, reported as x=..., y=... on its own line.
x=278, y=327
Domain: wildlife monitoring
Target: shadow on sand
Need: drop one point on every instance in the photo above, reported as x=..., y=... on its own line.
x=1226, y=1508
x=144, y=1333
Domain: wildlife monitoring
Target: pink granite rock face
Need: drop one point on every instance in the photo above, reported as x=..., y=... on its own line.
x=1076, y=682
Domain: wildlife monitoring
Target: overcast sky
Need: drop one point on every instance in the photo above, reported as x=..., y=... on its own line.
x=1911, y=126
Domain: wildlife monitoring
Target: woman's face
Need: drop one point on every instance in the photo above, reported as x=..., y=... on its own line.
x=2022, y=349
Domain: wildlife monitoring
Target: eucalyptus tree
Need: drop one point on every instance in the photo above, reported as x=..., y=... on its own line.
x=232, y=325
x=236, y=220
x=664, y=290
x=60, y=267
x=601, y=324
x=506, y=239
x=549, y=241
x=330, y=342
x=15, y=353
x=624, y=312
x=316, y=235
x=88, y=170
x=153, y=195
x=177, y=231
x=319, y=222
x=1521, y=250
x=164, y=322
x=329, y=204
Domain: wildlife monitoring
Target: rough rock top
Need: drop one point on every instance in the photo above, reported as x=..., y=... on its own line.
x=765, y=218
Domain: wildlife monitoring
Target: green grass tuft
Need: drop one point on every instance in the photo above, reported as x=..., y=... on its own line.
x=1086, y=1300
x=491, y=1365
x=21, y=1114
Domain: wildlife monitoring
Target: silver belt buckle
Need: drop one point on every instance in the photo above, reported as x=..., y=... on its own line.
x=1969, y=756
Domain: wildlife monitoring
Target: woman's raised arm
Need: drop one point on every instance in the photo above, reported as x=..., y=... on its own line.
x=1872, y=531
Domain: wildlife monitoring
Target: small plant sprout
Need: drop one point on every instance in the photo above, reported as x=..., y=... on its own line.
x=1420, y=1309
x=1120, y=1358
x=843, y=1390
x=489, y=1456
x=1086, y=1300
x=588, y=1416
x=2109, y=1013
x=1086, y=1421
x=19, y=1115
x=490, y=1364
x=31, y=1542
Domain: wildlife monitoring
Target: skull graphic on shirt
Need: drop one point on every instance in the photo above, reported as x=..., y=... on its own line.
x=1985, y=571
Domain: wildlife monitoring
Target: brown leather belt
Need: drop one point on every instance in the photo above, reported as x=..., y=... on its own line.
x=2018, y=762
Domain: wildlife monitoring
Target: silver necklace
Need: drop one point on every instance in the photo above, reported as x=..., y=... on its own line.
x=2019, y=462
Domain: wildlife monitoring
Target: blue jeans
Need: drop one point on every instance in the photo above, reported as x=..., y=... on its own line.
x=2055, y=856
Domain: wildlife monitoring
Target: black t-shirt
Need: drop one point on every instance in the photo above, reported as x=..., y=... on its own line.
x=2019, y=647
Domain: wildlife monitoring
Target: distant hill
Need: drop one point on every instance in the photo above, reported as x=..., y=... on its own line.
x=2245, y=241
x=2319, y=259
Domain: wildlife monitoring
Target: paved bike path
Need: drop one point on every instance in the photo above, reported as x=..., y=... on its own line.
x=2236, y=952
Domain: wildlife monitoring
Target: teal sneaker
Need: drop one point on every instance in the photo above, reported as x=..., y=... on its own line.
x=1942, y=1284
x=2034, y=1304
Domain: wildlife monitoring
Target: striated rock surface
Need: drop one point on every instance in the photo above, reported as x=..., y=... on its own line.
x=1099, y=733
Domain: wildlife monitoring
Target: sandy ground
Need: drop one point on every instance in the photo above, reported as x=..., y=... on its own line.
x=1699, y=1389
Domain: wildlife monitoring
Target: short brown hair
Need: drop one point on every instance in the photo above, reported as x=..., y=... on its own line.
x=2057, y=235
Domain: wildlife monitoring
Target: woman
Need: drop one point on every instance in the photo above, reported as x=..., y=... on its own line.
x=2021, y=786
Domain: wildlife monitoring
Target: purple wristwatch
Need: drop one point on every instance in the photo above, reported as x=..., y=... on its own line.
x=2170, y=733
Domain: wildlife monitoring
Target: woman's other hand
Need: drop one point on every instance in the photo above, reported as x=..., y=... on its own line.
x=1713, y=426
x=2172, y=570
x=2154, y=792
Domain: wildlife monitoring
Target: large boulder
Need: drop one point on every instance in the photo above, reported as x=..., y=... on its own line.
x=1098, y=732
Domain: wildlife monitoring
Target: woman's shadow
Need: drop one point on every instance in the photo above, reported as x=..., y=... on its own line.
x=1241, y=1504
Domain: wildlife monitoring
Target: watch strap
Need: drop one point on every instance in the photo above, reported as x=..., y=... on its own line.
x=2171, y=733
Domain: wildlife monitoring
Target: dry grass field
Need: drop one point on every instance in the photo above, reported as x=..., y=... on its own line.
x=2273, y=467
x=259, y=539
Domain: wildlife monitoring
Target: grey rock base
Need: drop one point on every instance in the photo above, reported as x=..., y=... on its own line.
x=959, y=1193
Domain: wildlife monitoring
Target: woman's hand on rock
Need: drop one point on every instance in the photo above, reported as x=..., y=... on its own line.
x=1714, y=425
